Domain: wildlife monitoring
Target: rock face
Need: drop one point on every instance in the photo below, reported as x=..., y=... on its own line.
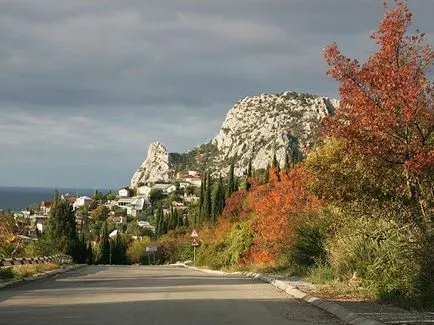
x=256, y=128
x=155, y=168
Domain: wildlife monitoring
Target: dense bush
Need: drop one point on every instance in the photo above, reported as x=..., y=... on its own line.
x=393, y=261
x=136, y=252
x=226, y=251
x=308, y=247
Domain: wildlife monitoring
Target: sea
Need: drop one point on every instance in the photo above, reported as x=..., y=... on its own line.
x=19, y=198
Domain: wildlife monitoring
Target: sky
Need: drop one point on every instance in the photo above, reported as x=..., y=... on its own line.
x=86, y=86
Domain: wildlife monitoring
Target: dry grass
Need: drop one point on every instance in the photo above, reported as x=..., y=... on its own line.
x=24, y=271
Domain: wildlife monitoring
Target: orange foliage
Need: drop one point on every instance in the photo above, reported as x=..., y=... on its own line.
x=278, y=206
x=235, y=206
x=387, y=104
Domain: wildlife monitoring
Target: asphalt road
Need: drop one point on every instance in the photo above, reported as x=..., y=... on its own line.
x=152, y=295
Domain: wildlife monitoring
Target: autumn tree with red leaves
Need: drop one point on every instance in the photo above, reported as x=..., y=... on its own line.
x=387, y=103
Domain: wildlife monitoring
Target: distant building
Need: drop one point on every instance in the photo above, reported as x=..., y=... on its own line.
x=144, y=190
x=46, y=207
x=165, y=188
x=81, y=201
x=125, y=192
x=133, y=205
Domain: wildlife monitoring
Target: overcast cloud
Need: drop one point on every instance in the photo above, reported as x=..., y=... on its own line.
x=86, y=86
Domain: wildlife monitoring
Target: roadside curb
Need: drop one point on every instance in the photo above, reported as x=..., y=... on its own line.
x=48, y=274
x=333, y=308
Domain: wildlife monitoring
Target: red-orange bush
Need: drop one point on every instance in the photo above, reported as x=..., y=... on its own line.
x=278, y=206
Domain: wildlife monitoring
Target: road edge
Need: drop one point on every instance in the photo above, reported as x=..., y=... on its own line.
x=48, y=274
x=333, y=308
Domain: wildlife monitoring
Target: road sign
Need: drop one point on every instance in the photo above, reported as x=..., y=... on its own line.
x=194, y=234
x=151, y=248
x=195, y=243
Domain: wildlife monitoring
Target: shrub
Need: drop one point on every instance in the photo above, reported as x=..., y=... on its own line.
x=393, y=261
x=136, y=252
x=6, y=273
x=308, y=247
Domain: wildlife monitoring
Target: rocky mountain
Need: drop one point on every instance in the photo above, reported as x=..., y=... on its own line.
x=256, y=128
x=155, y=168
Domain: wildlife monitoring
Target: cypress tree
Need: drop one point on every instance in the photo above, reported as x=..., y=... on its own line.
x=89, y=253
x=231, y=181
x=276, y=166
x=287, y=164
x=267, y=174
x=202, y=196
x=208, y=203
x=173, y=222
x=249, y=175
x=103, y=253
x=119, y=249
x=62, y=232
x=218, y=200
x=159, y=220
x=178, y=221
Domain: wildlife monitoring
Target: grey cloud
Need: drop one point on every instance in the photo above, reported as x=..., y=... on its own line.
x=87, y=85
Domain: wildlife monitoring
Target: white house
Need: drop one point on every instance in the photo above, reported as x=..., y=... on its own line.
x=144, y=190
x=133, y=205
x=146, y=225
x=194, y=180
x=193, y=173
x=81, y=201
x=166, y=188
x=184, y=184
x=124, y=192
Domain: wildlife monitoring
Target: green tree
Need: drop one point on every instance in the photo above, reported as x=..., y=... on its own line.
x=249, y=175
x=119, y=250
x=218, y=200
x=267, y=174
x=103, y=251
x=231, y=186
x=156, y=195
x=62, y=232
x=101, y=213
x=89, y=253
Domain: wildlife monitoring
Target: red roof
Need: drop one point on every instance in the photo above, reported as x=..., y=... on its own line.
x=47, y=204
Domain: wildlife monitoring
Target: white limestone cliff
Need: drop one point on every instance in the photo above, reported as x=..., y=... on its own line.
x=155, y=168
x=256, y=128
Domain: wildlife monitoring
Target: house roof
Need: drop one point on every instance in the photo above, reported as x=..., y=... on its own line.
x=46, y=204
x=162, y=186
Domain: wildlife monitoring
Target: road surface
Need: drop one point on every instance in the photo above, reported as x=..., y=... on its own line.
x=154, y=295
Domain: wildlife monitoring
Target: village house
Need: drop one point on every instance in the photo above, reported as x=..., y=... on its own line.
x=144, y=190
x=125, y=192
x=133, y=205
x=46, y=207
x=81, y=201
x=165, y=188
